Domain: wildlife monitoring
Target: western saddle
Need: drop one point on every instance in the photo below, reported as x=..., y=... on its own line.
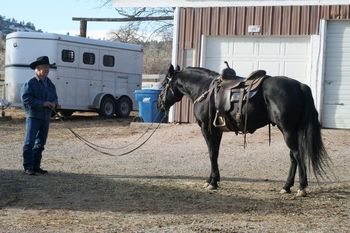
x=230, y=91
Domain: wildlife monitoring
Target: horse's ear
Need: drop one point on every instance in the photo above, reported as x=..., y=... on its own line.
x=177, y=68
x=171, y=70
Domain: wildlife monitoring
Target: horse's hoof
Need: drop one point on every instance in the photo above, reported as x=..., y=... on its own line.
x=301, y=193
x=212, y=187
x=284, y=191
x=206, y=184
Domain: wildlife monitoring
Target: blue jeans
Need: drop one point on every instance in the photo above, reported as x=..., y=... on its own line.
x=35, y=139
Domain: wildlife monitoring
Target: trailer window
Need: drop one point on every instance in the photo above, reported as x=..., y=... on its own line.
x=89, y=58
x=67, y=55
x=108, y=60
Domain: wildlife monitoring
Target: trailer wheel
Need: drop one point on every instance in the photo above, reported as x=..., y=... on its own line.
x=107, y=108
x=66, y=113
x=123, y=107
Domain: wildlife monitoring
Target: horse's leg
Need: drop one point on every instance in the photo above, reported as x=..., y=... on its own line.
x=302, y=176
x=212, y=138
x=291, y=175
x=297, y=161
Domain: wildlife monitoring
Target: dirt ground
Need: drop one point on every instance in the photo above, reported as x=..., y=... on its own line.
x=159, y=187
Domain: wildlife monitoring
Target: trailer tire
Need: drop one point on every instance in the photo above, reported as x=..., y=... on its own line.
x=107, y=107
x=66, y=113
x=123, y=108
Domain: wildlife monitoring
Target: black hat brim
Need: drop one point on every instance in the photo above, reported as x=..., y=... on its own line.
x=33, y=65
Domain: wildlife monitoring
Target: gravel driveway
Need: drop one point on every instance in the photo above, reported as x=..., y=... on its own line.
x=158, y=188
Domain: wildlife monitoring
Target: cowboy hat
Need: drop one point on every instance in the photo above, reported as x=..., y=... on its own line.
x=43, y=60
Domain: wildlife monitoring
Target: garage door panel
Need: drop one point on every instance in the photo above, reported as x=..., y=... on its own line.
x=338, y=108
x=337, y=38
x=273, y=68
x=335, y=61
x=340, y=54
x=287, y=56
x=219, y=48
x=243, y=48
x=338, y=29
x=341, y=121
x=342, y=115
x=296, y=70
x=245, y=67
x=215, y=64
x=336, y=100
x=270, y=49
x=297, y=48
x=337, y=76
x=343, y=91
x=336, y=97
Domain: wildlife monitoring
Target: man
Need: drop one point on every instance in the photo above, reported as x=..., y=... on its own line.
x=39, y=97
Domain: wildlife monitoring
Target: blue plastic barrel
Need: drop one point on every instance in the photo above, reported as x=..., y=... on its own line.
x=147, y=100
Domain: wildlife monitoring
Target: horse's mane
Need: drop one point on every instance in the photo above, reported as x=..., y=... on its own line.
x=202, y=71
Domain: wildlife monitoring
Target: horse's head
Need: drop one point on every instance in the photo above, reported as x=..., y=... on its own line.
x=170, y=93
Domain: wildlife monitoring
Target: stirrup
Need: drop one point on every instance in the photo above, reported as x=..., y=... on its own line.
x=219, y=121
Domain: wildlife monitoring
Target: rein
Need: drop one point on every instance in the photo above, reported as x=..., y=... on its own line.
x=98, y=148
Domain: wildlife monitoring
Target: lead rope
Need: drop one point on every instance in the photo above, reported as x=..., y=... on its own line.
x=95, y=146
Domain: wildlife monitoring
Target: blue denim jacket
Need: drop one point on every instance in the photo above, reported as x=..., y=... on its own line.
x=34, y=93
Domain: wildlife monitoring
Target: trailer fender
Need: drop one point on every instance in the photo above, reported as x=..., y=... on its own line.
x=96, y=103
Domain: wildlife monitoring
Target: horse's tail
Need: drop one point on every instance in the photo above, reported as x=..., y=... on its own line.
x=310, y=139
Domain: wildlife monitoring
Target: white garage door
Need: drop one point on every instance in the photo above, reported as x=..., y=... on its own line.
x=288, y=56
x=336, y=100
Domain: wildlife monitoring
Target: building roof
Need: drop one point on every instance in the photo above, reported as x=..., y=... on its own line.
x=222, y=3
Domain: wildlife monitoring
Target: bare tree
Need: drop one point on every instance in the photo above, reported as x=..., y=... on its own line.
x=147, y=29
x=158, y=28
x=157, y=56
x=128, y=34
x=155, y=36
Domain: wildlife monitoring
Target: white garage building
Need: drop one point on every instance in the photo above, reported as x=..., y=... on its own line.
x=305, y=40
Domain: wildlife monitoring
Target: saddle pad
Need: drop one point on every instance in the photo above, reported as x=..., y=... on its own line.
x=235, y=96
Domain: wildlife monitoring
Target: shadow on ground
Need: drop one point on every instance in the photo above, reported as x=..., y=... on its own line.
x=84, y=192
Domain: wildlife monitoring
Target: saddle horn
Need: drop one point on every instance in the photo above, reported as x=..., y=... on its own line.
x=228, y=73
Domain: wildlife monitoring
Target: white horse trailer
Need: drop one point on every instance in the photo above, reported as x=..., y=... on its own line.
x=90, y=75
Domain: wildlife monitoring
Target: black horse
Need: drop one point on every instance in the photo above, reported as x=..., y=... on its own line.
x=280, y=101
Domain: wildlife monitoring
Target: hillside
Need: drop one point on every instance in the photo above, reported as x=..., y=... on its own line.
x=12, y=25
x=6, y=27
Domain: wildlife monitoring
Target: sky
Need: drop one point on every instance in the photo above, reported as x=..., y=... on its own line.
x=55, y=16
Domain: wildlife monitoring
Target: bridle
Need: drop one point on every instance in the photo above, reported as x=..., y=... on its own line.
x=165, y=91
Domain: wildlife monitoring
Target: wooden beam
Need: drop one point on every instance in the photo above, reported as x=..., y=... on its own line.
x=153, y=18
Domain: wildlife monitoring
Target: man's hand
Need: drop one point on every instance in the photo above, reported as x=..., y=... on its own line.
x=49, y=104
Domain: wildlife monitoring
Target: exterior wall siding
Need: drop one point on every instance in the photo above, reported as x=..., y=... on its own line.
x=234, y=21
x=2, y=78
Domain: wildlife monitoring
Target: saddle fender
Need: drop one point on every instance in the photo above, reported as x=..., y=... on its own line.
x=230, y=91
